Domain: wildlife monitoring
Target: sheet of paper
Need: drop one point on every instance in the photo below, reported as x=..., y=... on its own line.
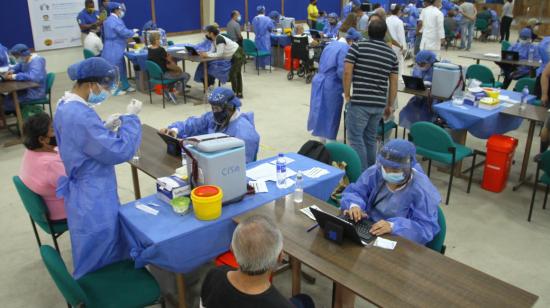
x=384, y=243
x=315, y=172
x=146, y=209
x=259, y=186
x=267, y=172
x=288, y=160
x=307, y=211
x=288, y=183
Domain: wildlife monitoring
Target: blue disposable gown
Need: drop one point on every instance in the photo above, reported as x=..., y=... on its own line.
x=412, y=210
x=35, y=71
x=85, y=18
x=262, y=29
x=331, y=30
x=495, y=23
x=89, y=152
x=115, y=36
x=325, y=108
x=544, y=53
x=418, y=108
x=523, y=50
x=218, y=69
x=346, y=10
x=241, y=127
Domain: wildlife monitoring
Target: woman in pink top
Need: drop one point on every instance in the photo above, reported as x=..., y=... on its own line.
x=41, y=166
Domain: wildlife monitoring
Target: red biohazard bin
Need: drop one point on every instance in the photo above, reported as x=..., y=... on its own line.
x=288, y=51
x=500, y=153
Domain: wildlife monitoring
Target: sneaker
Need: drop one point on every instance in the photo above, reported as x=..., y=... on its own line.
x=130, y=89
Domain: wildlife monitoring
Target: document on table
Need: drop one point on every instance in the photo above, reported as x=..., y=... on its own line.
x=315, y=172
x=307, y=211
x=267, y=172
x=384, y=243
x=259, y=186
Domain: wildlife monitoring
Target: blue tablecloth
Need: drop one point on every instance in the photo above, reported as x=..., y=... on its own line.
x=140, y=57
x=281, y=40
x=480, y=122
x=182, y=243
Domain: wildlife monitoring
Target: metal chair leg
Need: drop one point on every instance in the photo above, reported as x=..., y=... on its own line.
x=534, y=194
x=545, y=197
x=150, y=95
x=429, y=167
x=471, y=173
x=35, y=233
x=450, y=183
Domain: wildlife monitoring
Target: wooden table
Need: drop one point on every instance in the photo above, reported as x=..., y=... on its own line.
x=533, y=114
x=479, y=57
x=153, y=159
x=12, y=87
x=410, y=275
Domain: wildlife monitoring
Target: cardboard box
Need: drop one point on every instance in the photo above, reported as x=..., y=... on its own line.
x=171, y=187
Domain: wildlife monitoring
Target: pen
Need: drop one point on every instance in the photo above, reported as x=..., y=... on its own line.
x=312, y=227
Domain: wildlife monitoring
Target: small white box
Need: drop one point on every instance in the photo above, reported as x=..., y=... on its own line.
x=171, y=187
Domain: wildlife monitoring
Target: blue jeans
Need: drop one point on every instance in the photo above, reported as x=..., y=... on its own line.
x=302, y=301
x=362, y=123
x=467, y=33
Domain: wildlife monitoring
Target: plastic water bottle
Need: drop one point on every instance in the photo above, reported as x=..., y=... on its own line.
x=298, y=188
x=531, y=53
x=524, y=95
x=281, y=171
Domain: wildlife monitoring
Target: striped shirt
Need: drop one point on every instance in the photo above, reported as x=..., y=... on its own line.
x=373, y=62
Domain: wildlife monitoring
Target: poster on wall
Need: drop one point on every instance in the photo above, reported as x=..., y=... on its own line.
x=54, y=23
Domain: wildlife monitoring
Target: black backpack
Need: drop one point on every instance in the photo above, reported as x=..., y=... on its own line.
x=316, y=150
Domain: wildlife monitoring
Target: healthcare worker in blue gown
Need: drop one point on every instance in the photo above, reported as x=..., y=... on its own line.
x=275, y=18
x=325, y=106
x=393, y=193
x=524, y=44
x=29, y=67
x=418, y=108
x=90, y=149
x=225, y=117
x=116, y=36
x=332, y=26
x=349, y=7
x=217, y=69
x=4, y=59
x=263, y=26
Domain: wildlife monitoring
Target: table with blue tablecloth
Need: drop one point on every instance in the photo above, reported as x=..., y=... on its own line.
x=278, y=44
x=480, y=122
x=281, y=40
x=140, y=57
x=182, y=243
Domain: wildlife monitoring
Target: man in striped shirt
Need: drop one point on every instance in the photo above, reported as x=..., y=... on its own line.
x=372, y=66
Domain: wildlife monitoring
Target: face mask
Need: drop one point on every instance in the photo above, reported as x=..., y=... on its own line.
x=239, y=18
x=394, y=177
x=220, y=117
x=96, y=99
x=524, y=42
x=20, y=60
x=53, y=141
x=122, y=13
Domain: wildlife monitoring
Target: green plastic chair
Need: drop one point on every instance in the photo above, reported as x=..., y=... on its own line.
x=251, y=50
x=384, y=128
x=319, y=26
x=505, y=45
x=434, y=143
x=340, y=152
x=483, y=74
x=438, y=242
x=46, y=100
x=88, y=53
x=525, y=81
x=170, y=43
x=116, y=285
x=544, y=165
x=38, y=213
x=481, y=24
x=156, y=77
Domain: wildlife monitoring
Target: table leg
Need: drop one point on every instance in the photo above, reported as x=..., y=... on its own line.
x=459, y=136
x=205, y=64
x=296, y=268
x=181, y=291
x=526, y=155
x=477, y=61
x=135, y=180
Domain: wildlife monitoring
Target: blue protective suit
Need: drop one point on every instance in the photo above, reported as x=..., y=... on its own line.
x=418, y=108
x=35, y=71
x=331, y=30
x=412, y=210
x=241, y=127
x=495, y=23
x=85, y=18
x=115, y=36
x=218, y=69
x=262, y=29
x=446, y=6
x=346, y=10
x=523, y=50
x=544, y=53
x=90, y=152
x=325, y=108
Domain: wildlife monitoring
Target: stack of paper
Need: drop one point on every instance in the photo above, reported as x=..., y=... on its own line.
x=308, y=213
x=259, y=186
x=315, y=172
x=266, y=172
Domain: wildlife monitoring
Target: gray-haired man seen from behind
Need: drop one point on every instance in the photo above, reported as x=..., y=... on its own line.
x=258, y=248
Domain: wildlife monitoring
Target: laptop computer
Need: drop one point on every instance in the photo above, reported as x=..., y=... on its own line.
x=315, y=34
x=173, y=145
x=510, y=55
x=414, y=83
x=191, y=50
x=356, y=232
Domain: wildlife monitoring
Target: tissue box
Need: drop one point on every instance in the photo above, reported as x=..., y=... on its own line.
x=171, y=187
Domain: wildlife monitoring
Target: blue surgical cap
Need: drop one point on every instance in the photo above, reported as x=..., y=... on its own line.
x=333, y=15
x=260, y=9
x=150, y=25
x=222, y=96
x=397, y=154
x=525, y=34
x=426, y=56
x=111, y=6
x=95, y=67
x=274, y=15
x=20, y=49
x=353, y=35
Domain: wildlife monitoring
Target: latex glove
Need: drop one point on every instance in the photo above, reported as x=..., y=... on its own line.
x=113, y=122
x=134, y=107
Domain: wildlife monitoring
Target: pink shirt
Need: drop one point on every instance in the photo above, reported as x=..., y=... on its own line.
x=40, y=172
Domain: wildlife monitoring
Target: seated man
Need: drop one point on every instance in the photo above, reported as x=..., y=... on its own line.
x=167, y=64
x=485, y=14
x=93, y=42
x=332, y=26
x=29, y=67
x=396, y=194
x=258, y=247
x=514, y=72
x=534, y=24
x=419, y=108
x=311, y=42
x=225, y=117
x=41, y=165
x=451, y=26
